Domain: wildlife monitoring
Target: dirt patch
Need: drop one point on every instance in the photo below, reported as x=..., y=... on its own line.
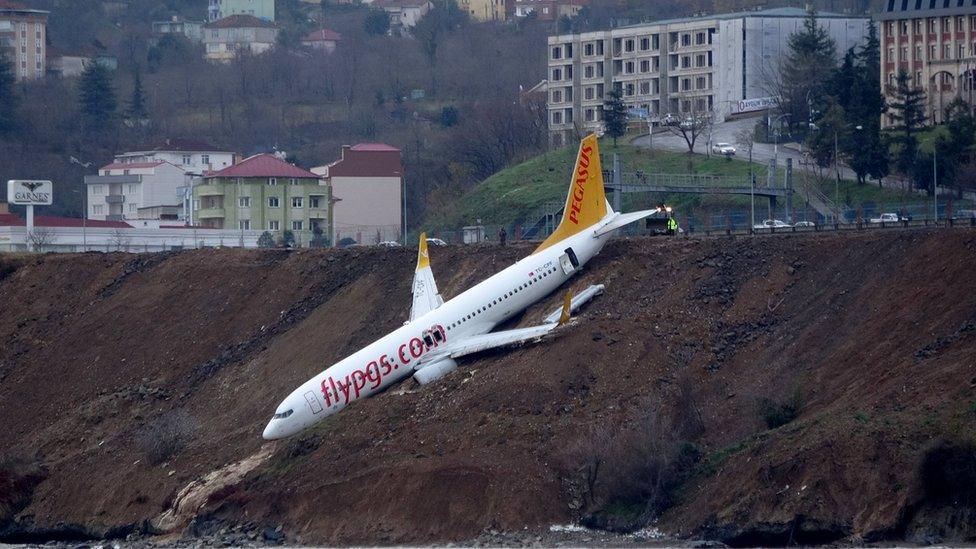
x=873, y=330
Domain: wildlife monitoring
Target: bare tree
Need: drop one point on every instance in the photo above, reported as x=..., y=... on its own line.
x=694, y=125
x=120, y=240
x=40, y=237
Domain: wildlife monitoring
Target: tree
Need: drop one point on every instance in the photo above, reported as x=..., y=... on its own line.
x=266, y=240
x=955, y=150
x=614, y=116
x=811, y=58
x=908, y=111
x=8, y=97
x=449, y=116
x=695, y=124
x=441, y=20
x=97, y=97
x=137, y=102
x=288, y=239
x=377, y=22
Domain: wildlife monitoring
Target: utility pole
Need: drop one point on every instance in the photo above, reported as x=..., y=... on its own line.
x=935, y=186
x=837, y=170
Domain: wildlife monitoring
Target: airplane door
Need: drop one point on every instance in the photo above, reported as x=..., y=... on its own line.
x=313, y=402
x=568, y=261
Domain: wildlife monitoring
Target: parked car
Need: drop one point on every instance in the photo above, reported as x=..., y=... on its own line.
x=670, y=120
x=886, y=218
x=389, y=244
x=804, y=224
x=436, y=242
x=772, y=224
x=723, y=148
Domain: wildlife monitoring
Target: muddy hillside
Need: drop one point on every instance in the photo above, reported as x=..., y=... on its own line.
x=757, y=391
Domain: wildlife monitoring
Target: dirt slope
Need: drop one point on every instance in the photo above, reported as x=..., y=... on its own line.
x=872, y=337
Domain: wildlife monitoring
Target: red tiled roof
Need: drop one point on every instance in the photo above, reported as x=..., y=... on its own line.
x=262, y=165
x=239, y=21
x=374, y=147
x=11, y=5
x=368, y=160
x=131, y=165
x=14, y=220
x=323, y=35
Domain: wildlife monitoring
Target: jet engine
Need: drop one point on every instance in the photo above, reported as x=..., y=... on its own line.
x=435, y=370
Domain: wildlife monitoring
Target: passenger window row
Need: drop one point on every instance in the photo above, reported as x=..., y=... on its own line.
x=538, y=277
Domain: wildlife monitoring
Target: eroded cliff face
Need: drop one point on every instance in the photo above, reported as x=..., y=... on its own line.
x=125, y=379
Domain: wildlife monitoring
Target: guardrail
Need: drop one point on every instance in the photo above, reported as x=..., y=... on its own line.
x=969, y=222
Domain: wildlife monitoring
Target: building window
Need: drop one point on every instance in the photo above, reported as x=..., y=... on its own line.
x=296, y=225
x=629, y=67
x=645, y=44
x=588, y=49
x=96, y=189
x=293, y=181
x=98, y=209
x=588, y=93
x=685, y=39
x=645, y=88
x=196, y=205
x=187, y=158
x=629, y=90
x=274, y=225
x=557, y=96
x=645, y=66
x=699, y=38
x=557, y=75
x=557, y=53
x=557, y=117
x=297, y=202
x=947, y=51
x=244, y=224
x=628, y=45
x=205, y=159
x=588, y=71
x=244, y=201
x=315, y=202
x=133, y=208
x=699, y=60
x=588, y=115
x=273, y=202
x=272, y=181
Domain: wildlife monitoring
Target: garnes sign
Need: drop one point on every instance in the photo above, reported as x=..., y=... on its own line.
x=30, y=193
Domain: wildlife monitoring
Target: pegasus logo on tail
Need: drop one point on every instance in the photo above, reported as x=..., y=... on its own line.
x=579, y=186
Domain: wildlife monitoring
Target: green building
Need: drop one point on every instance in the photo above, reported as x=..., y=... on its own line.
x=264, y=193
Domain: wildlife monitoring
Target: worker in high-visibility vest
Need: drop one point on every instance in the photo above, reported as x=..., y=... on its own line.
x=672, y=226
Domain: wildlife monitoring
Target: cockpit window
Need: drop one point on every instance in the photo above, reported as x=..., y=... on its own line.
x=283, y=415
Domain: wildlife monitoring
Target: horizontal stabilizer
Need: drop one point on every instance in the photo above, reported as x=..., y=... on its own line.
x=578, y=301
x=624, y=219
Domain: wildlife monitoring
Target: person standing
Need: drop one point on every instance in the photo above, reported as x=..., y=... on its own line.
x=502, y=235
x=672, y=226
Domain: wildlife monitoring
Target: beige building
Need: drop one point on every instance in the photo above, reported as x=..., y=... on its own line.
x=22, y=39
x=224, y=38
x=367, y=186
x=484, y=10
x=719, y=65
x=935, y=43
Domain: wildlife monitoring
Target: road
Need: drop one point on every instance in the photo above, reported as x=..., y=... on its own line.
x=726, y=132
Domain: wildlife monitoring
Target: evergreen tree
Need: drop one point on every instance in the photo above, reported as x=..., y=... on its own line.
x=377, y=22
x=137, y=103
x=811, y=59
x=8, y=97
x=614, y=116
x=832, y=134
x=908, y=111
x=955, y=150
x=97, y=97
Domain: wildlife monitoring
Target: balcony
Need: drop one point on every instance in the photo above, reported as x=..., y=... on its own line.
x=210, y=213
x=208, y=190
x=114, y=217
x=115, y=199
x=112, y=179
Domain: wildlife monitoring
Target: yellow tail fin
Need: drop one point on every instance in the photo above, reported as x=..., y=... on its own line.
x=423, y=260
x=586, y=203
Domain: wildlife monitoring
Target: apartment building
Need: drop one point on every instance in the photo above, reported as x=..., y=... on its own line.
x=22, y=39
x=262, y=9
x=404, y=14
x=192, y=30
x=225, y=37
x=484, y=10
x=720, y=65
x=367, y=184
x=265, y=193
x=547, y=10
x=934, y=41
x=122, y=189
x=195, y=157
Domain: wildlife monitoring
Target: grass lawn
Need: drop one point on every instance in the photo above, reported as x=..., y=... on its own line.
x=517, y=193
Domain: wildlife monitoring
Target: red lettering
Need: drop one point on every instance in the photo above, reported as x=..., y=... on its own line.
x=325, y=392
x=373, y=374
x=345, y=388
x=403, y=355
x=386, y=365
x=358, y=381
x=335, y=391
x=416, y=347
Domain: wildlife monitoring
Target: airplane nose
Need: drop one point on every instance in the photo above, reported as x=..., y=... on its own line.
x=270, y=432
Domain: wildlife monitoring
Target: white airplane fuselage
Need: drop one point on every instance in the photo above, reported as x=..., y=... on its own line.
x=393, y=357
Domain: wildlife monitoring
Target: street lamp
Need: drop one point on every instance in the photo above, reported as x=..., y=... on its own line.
x=84, y=205
x=773, y=179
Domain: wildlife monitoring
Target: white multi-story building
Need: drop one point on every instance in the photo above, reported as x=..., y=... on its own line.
x=719, y=64
x=153, y=184
x=262, y=9
x=225, y=37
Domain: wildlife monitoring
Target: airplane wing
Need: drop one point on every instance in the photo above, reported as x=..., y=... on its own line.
x=623, y=219
x=425, y=296
x=492, y=340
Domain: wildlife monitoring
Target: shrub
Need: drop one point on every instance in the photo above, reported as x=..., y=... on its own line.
x=266, y=240
x=776, y=413
x=166, y=436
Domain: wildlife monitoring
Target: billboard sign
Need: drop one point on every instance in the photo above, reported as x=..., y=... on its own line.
x=757, y=104
x=25, y=192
